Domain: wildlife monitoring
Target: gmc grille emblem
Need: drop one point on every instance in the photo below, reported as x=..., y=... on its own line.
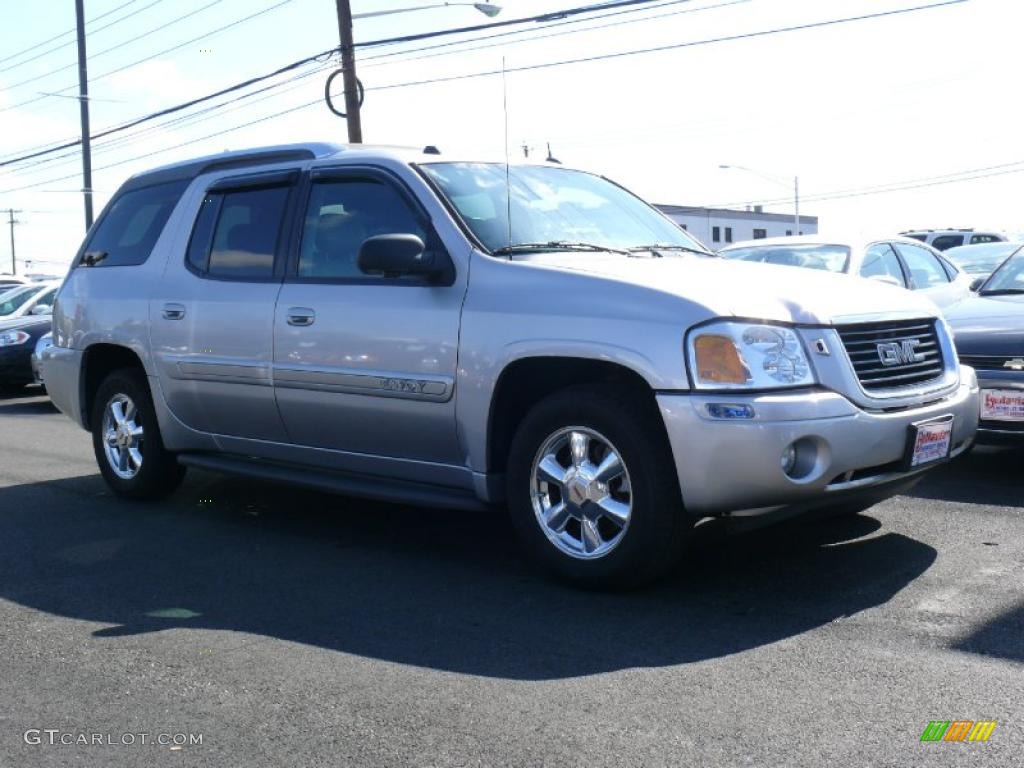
x=899, y=353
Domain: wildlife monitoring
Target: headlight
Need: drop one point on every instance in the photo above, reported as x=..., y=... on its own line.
x=13, y=338
x=734, y=355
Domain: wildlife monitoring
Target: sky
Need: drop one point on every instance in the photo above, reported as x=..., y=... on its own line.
x=906, y=100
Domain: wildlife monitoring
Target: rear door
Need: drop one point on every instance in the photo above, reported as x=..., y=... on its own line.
x=212, y=315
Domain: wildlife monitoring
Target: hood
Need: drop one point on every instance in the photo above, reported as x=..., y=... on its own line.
x=751, y=290
x=988, y=325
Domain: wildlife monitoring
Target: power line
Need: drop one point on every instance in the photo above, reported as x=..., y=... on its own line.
x=62, y=34
x=543, y=65
x=370, y=43
x=156, y=55
x=122, y=44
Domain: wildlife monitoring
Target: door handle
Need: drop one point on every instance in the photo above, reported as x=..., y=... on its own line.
x=301, y=316
x=174, y=311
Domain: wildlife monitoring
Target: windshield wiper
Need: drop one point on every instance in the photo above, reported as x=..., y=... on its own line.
x=554, y=245
x=1001, y=292
x=668, y=247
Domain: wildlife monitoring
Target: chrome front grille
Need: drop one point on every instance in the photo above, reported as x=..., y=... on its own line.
x=893, y=354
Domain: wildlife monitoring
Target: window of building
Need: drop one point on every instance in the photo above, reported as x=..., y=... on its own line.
x=236, y=233
x=923, y=266
x=728, y=234
x=344, y=213
x=130, y=227
x=760, y=234
x=789, y=232
x=716, y=235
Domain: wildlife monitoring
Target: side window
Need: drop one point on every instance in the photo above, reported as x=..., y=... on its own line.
x=45, y=299
x=983, y=239
x=130, y=227
x=923, y=266
x=236, y=233
x=942, y=242
x=880, y=260
x=340, y=216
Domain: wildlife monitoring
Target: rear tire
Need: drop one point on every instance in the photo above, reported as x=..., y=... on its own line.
x=126, y=439
x=592, y=488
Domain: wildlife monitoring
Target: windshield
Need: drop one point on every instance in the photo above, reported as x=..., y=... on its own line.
x=1009, y=278
x=552, y=208
x=12, y=299
x=831, y=258
x=981, y=259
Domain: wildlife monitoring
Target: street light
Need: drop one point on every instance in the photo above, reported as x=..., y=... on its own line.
x=782, y=180
x=348, y=56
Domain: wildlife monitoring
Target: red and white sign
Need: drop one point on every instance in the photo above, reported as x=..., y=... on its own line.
x=1002, y=404
x=932, y=442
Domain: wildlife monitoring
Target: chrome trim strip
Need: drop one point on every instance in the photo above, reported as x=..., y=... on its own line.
x=374, y=383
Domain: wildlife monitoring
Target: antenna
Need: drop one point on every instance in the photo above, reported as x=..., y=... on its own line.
x=508, y=183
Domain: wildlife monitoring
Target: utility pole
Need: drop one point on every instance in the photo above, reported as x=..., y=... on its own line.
x=12, y=221
x=348, y=66
x=83, y=106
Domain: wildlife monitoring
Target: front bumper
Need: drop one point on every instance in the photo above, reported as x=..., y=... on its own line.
x=734, y=466
x=1000, y=432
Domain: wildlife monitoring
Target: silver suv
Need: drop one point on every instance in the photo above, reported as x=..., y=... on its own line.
x=400, y=325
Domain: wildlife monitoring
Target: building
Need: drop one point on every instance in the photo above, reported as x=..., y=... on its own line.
x=718, y=227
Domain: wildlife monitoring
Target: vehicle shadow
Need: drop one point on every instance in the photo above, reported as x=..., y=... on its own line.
x=31, y=401
x=437, y=589
x=986, y=475
x=999, y=637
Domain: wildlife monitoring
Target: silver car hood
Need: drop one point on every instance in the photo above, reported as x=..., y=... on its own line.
x=751, y=290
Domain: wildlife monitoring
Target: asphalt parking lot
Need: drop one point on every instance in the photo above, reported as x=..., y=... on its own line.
x=295, y=628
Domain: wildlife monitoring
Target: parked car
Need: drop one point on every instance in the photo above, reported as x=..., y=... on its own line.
x=944, y=239
x=17, y=341
x=468, y=334
x=981, y=260
x=33, y=299
x=897, y=260
x=44, y=341
x=989, y=331
x=6, y=281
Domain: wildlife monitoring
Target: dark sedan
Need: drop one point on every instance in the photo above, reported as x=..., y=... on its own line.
x=989, y=330
x=17, y=343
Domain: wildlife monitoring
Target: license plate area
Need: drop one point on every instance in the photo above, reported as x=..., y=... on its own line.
x=928, y=442
x=1002, y=404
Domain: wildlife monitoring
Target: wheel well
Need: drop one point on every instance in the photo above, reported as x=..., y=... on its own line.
x=99, y=360
x=527, y=381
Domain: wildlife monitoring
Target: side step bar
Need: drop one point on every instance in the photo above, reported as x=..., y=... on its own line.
x=349, y=484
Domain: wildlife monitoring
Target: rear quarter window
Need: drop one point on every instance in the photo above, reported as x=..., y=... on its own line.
x=131, y=225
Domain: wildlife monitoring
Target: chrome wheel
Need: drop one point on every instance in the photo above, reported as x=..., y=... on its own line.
x=122, y=436
x=581, y=493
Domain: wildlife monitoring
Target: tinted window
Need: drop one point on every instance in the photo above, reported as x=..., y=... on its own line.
x=942, y=242
x=245, y=236
x=132, y=224
x=923, y=266
x=341, y=215
x=879, y=261
x=984, y=239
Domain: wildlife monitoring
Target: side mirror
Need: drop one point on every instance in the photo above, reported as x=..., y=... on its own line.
x=396, y=255
x=977, y=282
x=887, y=279
x=41, y=309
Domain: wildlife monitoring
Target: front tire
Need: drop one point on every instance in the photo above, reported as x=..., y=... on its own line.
x=592, y=488
x=126, y=439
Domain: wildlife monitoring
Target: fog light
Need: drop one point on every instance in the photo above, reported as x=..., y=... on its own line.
x=789, y=459
x=730, y=411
